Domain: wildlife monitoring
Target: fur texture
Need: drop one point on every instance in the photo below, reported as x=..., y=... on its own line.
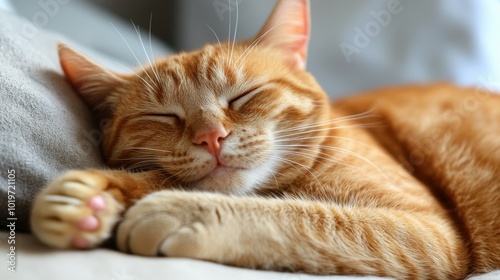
x=233, y=154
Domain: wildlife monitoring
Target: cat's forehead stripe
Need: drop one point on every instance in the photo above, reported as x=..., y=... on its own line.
x=216, y=77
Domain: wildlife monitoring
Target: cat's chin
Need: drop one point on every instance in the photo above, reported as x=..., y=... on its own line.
x=224, y=179
x=221, y=170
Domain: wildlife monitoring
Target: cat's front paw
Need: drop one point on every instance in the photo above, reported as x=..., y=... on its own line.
x=75, y=211
x=174, y=224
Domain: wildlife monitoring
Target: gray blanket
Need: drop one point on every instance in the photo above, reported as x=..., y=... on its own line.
x=44, y=127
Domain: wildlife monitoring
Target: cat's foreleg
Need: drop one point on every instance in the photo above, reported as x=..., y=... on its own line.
x=291, y=235
x=80, y=208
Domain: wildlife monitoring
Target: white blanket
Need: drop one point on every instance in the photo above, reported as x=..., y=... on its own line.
x=35, y=261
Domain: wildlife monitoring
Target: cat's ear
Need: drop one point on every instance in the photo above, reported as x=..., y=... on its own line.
x=95, y=84
x=287, y=29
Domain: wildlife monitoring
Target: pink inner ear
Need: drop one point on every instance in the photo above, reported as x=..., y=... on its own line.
x=92, y=82
x=304, y=30
x=301, y=47
x=288, y=27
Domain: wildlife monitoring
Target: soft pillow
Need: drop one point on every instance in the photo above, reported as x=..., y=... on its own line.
x=44, y=127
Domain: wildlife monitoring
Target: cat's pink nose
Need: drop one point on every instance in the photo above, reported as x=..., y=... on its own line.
x=212, y=138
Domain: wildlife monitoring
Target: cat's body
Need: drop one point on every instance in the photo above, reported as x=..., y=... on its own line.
x=404, y=182
x=451, y=148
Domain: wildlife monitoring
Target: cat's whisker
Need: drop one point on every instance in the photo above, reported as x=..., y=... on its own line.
x=235, y=30
x=138, y=31
x=333, y=121
x=292, y=132
x=147, y=149
x=150, y=87
x=329, y=122
x=171, y=177
x=361, y=157
x=135, y=56
x=331, y=148
x=147, y=169
x=255, y=42
x=367, y=125
x=274, y=176
x=251, y=46
x=215, y=34
x=308, y=169
x=287, y=162
x=132, y=158
x=321, y=186
x=143, y=164
x=345, y=151
x=152, y=65
x=229, y=35
x=273, y=173
x=321, y=155
x=151, y=159
x=327, y=125
x=323, y=137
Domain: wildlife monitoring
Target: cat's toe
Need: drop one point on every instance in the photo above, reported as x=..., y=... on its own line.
x=89, y=223
x=162, y=224
x=80, y=242
x=186, y=242
x=75, y=211
x=97, y=203
x=143, y=236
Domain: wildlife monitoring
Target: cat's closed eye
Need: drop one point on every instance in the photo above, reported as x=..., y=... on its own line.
x=170, y=117
x=243, y=98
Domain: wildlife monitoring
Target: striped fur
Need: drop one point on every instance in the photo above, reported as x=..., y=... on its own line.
x=401, y=182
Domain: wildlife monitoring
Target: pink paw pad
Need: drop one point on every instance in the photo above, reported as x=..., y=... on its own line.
x=97, y=203
x=88, y=223
x=80, y=242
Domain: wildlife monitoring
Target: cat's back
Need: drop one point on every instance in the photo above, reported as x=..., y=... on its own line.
x=449, y=138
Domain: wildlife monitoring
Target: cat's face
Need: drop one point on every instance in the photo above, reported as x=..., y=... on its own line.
x=224, y=118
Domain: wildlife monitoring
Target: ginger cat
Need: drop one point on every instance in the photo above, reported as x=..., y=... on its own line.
x=233, y=154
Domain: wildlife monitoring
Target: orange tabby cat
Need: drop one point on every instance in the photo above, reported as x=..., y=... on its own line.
x=234, y=155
